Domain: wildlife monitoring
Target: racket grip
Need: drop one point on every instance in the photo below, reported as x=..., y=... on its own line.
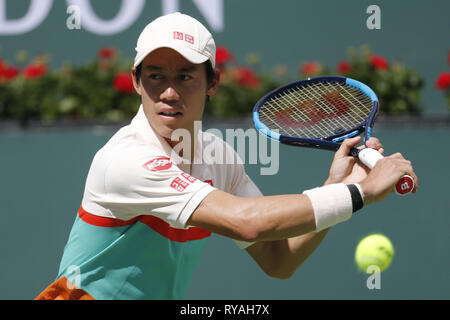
x=370, y=157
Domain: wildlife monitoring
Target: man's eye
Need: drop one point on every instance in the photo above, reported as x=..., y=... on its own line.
x=155, y=76
x=185, y=77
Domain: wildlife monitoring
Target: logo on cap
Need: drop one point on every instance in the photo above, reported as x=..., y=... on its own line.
x=181, y=36
x=189, y=39
x=178, y=35
x=158, y=164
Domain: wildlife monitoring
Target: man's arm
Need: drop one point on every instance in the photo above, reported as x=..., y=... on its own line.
x=255, y=219
x=270, y=218
x=284, y=216
x=280, y=259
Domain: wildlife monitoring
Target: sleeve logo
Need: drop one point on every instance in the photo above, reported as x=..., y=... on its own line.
x=188, y=177
x=158, y=164
x=180, y=184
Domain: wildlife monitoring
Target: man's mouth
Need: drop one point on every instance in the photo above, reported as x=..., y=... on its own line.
x=170, y=113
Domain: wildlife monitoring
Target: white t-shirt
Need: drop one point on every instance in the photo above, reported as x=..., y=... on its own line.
x=130, y=239
x=135, y=174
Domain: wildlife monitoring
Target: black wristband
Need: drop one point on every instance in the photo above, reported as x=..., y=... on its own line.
x=357, y=199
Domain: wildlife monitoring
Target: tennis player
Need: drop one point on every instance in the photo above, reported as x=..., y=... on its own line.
x=145, y=217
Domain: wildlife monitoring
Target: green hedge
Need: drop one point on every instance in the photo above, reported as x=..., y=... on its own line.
x=101, y=89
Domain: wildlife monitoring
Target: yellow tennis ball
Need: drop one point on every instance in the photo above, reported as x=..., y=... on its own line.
x=375, y=249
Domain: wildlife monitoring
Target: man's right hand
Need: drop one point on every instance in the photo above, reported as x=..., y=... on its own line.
x=382, y=178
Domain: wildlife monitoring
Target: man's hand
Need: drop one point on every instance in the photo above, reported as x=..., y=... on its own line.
x=376, y=183
x=348, y=169
x=382, y=178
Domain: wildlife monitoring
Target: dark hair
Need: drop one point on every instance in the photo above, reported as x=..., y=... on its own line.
x=138, y=72
x=210, y=74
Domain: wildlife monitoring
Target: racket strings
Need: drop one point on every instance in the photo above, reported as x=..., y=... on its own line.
x=285, y=123
x=312, y=114
x=316, y=110
x=353, y=118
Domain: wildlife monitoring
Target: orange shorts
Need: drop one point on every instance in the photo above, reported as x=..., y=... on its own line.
x=63, y=289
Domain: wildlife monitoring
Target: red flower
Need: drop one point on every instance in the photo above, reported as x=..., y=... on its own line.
x=344, y=67
x=223, y=55
x=246, y=77
x=443, y=81
x=1, y=69
x=310, y=68
x=106, y=53
x=123, y=82
x=10, y=73
x=379, y=62
x=35, y=71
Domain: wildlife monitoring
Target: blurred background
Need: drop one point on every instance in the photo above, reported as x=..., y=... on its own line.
x=65, y=90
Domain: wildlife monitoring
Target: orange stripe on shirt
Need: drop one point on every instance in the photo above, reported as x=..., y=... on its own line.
x=178, y=235
x=155, y=223
x=99, y=221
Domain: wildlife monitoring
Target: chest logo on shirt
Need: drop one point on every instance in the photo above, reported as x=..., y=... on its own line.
x=158, y=164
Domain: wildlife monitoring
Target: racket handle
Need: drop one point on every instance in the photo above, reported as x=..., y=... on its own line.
x=370, y=156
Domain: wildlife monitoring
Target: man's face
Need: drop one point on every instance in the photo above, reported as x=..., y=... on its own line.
x=173, y=91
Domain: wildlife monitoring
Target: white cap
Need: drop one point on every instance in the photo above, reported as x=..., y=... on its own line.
x=179, y=32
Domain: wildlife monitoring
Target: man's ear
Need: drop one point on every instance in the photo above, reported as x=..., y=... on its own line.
x=136, y=81
x=212, y=87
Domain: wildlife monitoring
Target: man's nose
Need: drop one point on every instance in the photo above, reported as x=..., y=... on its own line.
x=170, y=94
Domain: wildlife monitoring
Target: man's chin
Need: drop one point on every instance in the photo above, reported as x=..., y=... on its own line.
x=173, y=133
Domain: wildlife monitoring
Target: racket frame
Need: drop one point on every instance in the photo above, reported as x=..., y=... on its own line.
x=406, y=183
x=329, y=143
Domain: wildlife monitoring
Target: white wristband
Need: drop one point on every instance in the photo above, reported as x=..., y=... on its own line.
x=360, y=190
x=332, y=204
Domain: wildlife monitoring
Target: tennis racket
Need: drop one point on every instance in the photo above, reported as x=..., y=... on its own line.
x=320, y=113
